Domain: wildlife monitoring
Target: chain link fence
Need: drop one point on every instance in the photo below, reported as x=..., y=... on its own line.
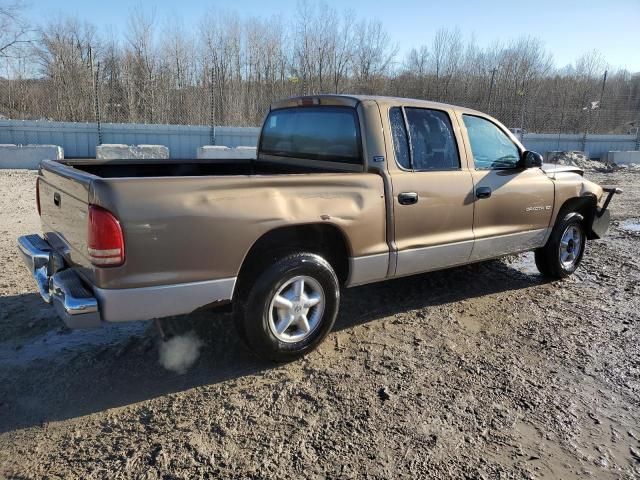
x=93, y=96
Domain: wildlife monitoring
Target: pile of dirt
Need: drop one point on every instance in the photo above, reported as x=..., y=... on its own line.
x=576, y=159
x=581, y=160
x=626, y=166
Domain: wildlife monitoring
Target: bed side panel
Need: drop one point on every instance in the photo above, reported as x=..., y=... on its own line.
x=193, y=229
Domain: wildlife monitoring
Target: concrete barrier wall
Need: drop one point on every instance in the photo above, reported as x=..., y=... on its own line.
x=213, y=152
x=28, y=156
x=132, y=152
x=623, y=158
x=79, y=140
x=596, y=146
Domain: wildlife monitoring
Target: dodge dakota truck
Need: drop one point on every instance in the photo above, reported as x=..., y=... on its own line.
x=344, y=191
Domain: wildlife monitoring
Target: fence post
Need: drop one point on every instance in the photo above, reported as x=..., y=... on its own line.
x=564, y=101
x=586, y=129
x=98, y=112
x=524, y=107
x=95, y=77
x=212, y=113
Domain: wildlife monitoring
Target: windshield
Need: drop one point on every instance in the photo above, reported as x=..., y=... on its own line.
x=319, y=133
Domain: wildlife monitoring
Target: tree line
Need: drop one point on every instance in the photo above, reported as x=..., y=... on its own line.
x=228, y=68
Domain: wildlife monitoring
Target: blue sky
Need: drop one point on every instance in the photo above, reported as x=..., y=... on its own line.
x=568, y=28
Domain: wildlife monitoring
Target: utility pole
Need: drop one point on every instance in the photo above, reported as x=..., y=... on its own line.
x=493, y=75
x=604, y=82
x=589, y=108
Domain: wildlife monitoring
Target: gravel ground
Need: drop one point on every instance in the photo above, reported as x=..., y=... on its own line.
x=485, y=371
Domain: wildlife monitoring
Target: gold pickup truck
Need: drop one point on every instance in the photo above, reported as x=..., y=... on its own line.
x=344, y=190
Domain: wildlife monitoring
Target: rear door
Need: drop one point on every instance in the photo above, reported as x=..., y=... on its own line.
x=513, y=205
x=432, y=188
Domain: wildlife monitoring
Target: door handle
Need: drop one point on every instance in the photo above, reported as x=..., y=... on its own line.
x=408, y=198
x=56, y=199
x=483, y=192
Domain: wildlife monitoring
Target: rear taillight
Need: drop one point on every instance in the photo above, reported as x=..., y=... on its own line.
x=105, y=242
x=38, y=195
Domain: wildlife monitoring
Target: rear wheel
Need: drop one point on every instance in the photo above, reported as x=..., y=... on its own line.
x=290, y=307
x=563, y=252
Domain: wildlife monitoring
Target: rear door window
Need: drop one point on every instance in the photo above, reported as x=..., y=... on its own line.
x=399, y=133
x=429, y=145
x=432, y=142
x=318, y=133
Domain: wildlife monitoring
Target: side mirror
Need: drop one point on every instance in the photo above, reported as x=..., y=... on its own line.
x=531, y=159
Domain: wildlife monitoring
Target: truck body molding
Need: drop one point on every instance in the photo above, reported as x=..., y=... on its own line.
x=367, y=269
x=425, y=259
x=146, y=303
x=492, y=247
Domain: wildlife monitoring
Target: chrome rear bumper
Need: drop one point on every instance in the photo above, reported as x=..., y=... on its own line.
x=82, y=306
x=74, y=303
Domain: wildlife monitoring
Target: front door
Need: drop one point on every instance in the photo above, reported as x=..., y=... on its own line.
x=513, y=205
x=433, y=203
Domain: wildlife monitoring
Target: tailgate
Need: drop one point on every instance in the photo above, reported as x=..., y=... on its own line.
x=64, y=198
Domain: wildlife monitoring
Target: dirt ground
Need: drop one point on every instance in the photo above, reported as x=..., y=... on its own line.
x=485, y=371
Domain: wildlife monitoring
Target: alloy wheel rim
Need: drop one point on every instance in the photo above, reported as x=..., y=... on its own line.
x=570, y=246
x=296, y=309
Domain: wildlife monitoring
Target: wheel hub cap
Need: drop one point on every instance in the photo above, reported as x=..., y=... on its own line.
x=570, y=246
x=296, y=309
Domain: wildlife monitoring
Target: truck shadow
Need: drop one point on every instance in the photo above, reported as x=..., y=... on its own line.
x=57, y=374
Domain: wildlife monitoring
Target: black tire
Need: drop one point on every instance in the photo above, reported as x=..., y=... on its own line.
x=548, y=257
x=253, y=306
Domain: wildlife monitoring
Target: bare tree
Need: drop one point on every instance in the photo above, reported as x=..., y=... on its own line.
x=140, y=64
x=15, y=31
x=446, y=57
x=221, y=34
x=373, y=56
x=231, y=68
x=64, y=51
x=342, y=50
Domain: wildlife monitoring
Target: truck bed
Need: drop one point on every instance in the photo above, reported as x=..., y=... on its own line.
x=177, y=215
x=192, y=167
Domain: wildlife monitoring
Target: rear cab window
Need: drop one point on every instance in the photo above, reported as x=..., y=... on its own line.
x=328, y=133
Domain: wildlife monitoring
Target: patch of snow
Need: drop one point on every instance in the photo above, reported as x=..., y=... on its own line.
x=631, y=225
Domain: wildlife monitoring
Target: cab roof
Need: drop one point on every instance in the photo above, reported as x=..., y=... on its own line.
x=353, y=100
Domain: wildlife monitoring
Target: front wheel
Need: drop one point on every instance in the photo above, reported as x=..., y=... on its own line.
x=290, y=307
x=563, y=252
